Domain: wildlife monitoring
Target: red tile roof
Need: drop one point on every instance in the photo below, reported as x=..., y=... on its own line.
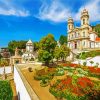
x=98, y=39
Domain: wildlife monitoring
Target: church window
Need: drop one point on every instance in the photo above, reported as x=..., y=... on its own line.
x=69, y=27
x=75, y=34
x=72, y=36
x=84, y=43
x=83, y=34
x=83, y=21
x=69, y=37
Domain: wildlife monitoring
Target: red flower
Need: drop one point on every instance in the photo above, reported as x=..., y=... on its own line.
x=84, y=82
x=94, y=70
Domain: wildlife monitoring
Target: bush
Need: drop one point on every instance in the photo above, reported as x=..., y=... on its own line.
x=30, y=69
x=37, y=77
x=5, y=90
x=44, y=82
x=59, y=72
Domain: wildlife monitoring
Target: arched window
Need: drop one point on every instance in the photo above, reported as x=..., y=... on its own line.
x=69, y=27
x=84, y=43
x=69, y=37
x=83, y=34
x=75, y=34
x=83, y=21
x=72, y=36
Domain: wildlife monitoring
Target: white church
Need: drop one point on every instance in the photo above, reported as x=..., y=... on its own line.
x=83, y=37
x=28, y=55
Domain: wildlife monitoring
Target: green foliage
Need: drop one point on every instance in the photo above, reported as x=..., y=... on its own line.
x=4, y=62
x=97, y=29
x=36, y=46
x=0, y=56
x=84, y=63
x=63, y=39
x=59, y=72
x=13, y=44
x=64, y=53
x=46, y=51
x=91, y=62
x=61, y=52
x=57, y=52
x=85, y=55
x=97, y=64
x=5, y=90
x=44, y=56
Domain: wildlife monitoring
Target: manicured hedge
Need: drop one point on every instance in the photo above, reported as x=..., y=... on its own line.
x=5, y=90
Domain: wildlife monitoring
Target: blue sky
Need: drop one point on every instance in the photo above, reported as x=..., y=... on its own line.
x=33, y=19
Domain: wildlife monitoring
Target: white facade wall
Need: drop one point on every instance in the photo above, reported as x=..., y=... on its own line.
x=92, y=37
x=97, y=45
x=7, y=70
x=21, y=90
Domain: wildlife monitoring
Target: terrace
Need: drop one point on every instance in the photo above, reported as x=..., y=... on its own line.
x=52, y=83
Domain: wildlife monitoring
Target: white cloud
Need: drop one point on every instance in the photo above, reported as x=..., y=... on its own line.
x=8, y=8
x=94, y=11
x=14, y=12
x=55, y=12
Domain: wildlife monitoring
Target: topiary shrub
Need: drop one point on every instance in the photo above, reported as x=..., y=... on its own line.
x=30, y=69
x=5, y=90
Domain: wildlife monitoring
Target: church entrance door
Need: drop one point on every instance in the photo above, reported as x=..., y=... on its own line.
x=75, y=45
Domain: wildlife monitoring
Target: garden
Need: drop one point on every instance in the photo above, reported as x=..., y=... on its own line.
x=70, y=81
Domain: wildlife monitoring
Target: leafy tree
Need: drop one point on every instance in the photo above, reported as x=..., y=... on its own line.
x=0, y=56
x=64, y=52
x=61, y=52
x=47, y=45
x=45, y=56
x=36, y=46
x=13, y=44
x=63, y=39
x=4, y=62
x=57, y=52
x=5, y=90
x=97, y=29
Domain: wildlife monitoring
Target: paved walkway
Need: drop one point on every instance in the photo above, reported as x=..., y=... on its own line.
x=42, y=92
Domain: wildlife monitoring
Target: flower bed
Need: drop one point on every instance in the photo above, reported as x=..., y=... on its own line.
x=72, y=87
x=70, y=65
x=94, y=72
x=59, y=72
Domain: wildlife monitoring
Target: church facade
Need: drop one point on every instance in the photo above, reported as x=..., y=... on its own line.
x=28, y=55
x=83, y=37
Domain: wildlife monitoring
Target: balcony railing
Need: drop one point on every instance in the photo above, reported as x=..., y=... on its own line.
x=80, y=37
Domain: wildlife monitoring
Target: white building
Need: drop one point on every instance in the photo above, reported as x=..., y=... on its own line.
x=83, y=37
x=28, y=55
